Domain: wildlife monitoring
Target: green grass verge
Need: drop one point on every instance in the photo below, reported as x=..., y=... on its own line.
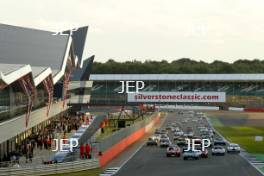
x=245, y=136
x=260, y=157
x=91, y=172
x=216, y=122
x=262, y=169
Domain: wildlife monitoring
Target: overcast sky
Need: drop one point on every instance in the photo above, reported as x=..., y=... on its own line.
x=151, y=29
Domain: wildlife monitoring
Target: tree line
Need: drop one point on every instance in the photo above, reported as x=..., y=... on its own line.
x=184, y=66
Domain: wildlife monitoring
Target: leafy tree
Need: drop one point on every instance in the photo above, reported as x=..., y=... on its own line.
x=180, y=66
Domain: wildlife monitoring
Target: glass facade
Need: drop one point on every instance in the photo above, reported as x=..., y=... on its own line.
x=13, y=101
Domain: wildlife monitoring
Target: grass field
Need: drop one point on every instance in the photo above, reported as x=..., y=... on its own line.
x=92, y=172
x=262, y=169
x=245, y=136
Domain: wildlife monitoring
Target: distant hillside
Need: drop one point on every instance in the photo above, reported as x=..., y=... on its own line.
x=184, y=65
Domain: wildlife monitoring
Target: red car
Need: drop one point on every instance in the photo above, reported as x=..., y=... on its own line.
x=173, y=151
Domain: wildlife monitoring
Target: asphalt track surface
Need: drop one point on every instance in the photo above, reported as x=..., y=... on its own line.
x=152, y=161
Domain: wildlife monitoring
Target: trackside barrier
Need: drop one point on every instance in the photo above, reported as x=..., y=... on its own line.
x=120, y=140
x=254, y=110
x=235, y=109
x=58, y=168
x=182, y=107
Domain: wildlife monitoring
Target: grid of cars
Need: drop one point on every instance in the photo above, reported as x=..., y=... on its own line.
x=191, y=137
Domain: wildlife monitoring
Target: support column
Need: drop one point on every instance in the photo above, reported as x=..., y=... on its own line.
x=30, y=90
x=66, y=81
x=48, y=85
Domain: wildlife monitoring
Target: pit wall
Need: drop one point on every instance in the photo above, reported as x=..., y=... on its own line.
x=187, y=107
x=254, y=109
x=115, y=144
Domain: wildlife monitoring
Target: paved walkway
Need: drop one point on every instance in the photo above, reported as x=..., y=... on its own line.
x=41, y=155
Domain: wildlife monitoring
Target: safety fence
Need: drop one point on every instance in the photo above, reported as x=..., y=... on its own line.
x=58, y=168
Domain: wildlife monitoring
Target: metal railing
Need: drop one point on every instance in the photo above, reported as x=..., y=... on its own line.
x=57, y=168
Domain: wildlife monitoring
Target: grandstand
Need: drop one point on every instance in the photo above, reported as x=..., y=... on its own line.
x=35, y=71
x=242, y=90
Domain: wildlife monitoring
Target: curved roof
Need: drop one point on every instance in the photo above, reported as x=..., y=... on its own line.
x=178, y=77
x=37, y=52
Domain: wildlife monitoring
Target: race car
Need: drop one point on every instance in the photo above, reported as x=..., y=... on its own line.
x=151, y=142
x=178, y=133
x=191, y=155
x=165, y=142
x=218, y=150
x=233, y=148
x=181, y=141
x=219, y=142
x=173, y=150
x=164, y=136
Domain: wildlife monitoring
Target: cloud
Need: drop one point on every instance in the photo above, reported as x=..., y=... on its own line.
x=161, y=29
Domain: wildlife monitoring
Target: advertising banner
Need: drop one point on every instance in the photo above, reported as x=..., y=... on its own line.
x=163, y=97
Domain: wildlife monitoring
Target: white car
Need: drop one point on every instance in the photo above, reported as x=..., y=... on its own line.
x=164, y=136
x=177, y=129
x=179, y=133
x=156, y=137
x=192, y=154
x=204, y=130
x=233, y=148
x=165, y=142
x=152, y=142
x=173, y=129
x=218, y=150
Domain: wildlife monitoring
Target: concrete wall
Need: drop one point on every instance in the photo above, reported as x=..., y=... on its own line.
x=187, y=107
x=254, y=109
x=119, y=141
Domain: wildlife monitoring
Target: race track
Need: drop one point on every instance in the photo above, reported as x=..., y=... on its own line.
x=153, y=161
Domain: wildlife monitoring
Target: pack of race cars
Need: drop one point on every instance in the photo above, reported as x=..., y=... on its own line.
x=176, y=137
